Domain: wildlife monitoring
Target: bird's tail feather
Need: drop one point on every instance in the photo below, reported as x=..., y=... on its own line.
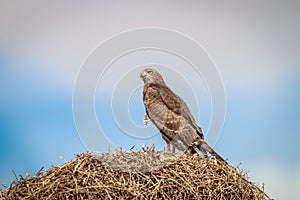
x=206, y=147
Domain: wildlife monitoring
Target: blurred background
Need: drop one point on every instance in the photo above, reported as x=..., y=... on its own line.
x=254, y=44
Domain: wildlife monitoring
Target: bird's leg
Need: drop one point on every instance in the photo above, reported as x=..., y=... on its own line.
x=146, y=120
x=168, y=146
x=173, y=149
x=189, y=151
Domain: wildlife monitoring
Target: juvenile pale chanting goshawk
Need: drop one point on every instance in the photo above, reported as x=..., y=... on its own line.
x=171, y=115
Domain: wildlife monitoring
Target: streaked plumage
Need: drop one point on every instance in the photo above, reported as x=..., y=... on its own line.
x=171, y=115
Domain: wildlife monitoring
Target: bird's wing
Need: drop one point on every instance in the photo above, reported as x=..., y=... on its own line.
x=164, y=114
x=170, y=100
x=176, y=105
x=158, y=110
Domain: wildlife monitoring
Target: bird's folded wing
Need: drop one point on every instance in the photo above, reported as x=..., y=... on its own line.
x=176, y=105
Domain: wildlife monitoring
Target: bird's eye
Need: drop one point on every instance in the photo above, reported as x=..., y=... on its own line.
x=150, y=72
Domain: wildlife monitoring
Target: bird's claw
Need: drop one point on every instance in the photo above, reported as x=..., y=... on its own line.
x=146, y=120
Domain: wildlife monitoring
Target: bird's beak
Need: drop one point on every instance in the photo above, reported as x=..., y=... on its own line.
x=143, y=74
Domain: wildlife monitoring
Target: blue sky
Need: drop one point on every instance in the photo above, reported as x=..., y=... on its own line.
x=41, y=54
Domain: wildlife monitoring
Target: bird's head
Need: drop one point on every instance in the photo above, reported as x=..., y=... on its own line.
x=152, y=76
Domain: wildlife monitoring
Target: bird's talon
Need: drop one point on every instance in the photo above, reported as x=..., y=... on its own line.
x=146, y=120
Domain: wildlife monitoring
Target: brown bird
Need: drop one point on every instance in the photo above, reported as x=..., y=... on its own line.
x=171, y=115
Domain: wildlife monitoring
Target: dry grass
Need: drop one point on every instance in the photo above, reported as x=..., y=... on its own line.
x=136, y=175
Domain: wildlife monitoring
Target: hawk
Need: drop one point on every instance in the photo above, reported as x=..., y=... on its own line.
x=171, y=115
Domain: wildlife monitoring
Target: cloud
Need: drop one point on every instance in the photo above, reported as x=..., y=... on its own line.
x=244, y=41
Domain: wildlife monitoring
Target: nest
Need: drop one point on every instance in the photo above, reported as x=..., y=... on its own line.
x=137, y=175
